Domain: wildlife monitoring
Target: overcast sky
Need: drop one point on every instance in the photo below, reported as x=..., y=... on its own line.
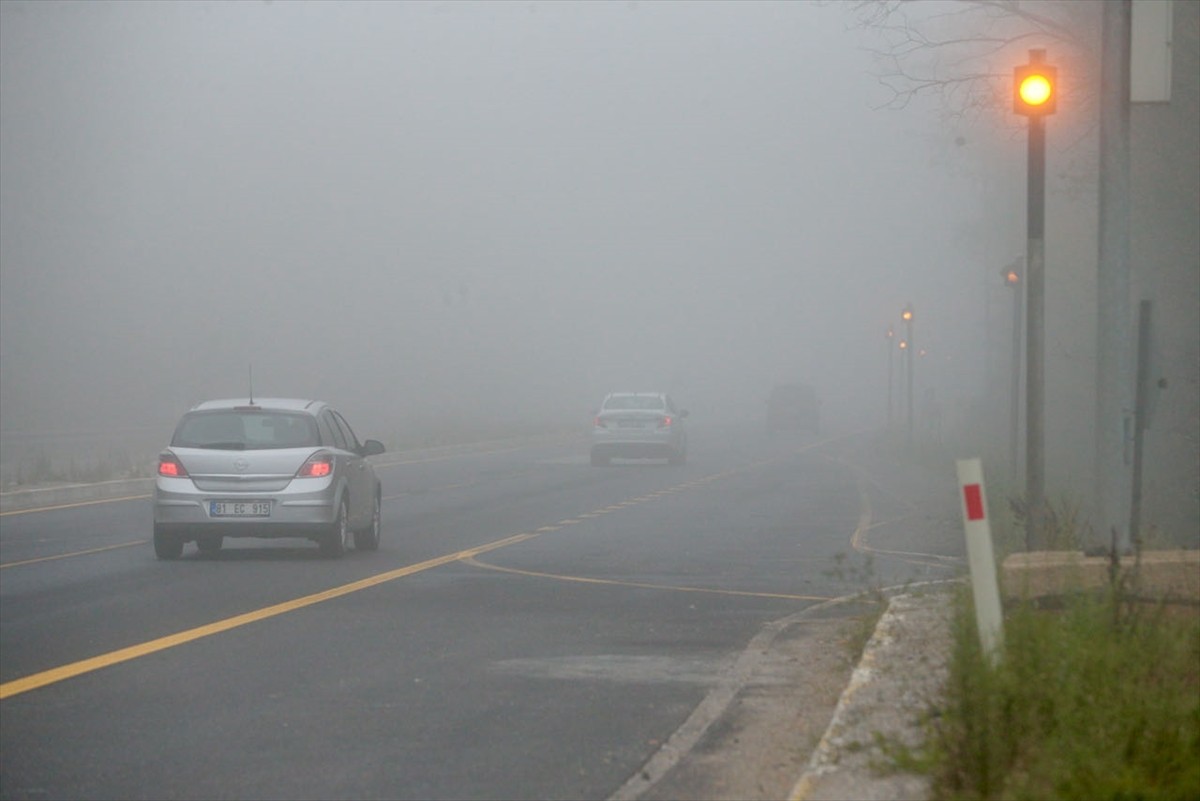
x=480, y=209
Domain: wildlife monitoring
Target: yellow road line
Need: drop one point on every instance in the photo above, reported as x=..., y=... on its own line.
x=73, y=505
x=73, y=553
x=64, y=672
x=54, y=675
x=614, y=582
x=858, y=538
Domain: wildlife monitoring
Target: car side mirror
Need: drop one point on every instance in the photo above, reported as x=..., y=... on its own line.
x=371, y=447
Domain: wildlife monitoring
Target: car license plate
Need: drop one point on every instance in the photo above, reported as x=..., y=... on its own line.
x=630, y=424
x=239, y=508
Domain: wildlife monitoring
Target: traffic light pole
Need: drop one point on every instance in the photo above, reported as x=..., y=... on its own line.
x=1014, y=428
x=1035, y=96
x=1035, y=260
x=909, y=356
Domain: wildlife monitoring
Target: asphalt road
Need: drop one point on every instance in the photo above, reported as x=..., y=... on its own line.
x=531, y=627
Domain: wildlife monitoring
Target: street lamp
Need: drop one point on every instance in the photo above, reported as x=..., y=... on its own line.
x=1035, y=95
x=906, y=314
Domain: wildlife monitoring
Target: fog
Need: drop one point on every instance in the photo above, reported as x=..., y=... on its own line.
x=493, y=212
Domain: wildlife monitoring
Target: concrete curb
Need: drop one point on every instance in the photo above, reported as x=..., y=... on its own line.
x=902, y=669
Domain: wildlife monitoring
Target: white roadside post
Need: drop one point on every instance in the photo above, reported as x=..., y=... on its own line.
x=980, y=558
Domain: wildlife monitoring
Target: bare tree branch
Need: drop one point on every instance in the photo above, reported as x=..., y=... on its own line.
x=963, y=51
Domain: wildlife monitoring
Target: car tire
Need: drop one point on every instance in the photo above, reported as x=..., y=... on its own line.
x=368, y=538
x=599, y=459
x=337, y=539
x=167, y=545
x=209, y=543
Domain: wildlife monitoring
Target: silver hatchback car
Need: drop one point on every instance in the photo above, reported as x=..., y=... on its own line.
x=266, y=467
x=636, y=425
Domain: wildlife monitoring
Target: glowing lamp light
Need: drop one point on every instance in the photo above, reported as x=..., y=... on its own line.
x=1035, y=90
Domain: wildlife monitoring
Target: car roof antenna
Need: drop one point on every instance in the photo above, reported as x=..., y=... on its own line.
x=251, y=369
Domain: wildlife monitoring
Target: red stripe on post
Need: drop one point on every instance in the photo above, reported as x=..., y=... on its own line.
x=974, y=497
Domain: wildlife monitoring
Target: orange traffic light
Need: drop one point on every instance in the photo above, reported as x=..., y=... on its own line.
x=1012, y=277
x=1035, y=89
x=906, y=314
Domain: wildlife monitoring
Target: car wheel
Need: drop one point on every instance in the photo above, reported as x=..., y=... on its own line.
x=337, y=539
x=209, y=543
x=599, y=459
x=368, y=538
x=166, y=545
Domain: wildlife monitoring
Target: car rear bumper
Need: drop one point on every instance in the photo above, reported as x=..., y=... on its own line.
x=634, y=450
x=182, y=510
x=187, y=532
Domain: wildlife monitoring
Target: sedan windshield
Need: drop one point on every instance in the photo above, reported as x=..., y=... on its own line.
x=236, y=429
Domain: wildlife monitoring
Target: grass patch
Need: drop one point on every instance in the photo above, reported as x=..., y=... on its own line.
x=1097, y=698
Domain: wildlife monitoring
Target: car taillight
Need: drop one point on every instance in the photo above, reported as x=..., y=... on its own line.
x=170, y=466
x=599, y=423
x=318, y=465
x=664, y=421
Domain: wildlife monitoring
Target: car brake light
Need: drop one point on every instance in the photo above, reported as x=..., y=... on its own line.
x=170, y=466
x=664, y=421
x=599, y=423
x=318, y=465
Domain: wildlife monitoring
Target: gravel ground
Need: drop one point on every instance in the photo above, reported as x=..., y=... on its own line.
x=798, y=717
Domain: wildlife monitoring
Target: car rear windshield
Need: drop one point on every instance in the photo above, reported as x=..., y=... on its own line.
x=634, y=402
x=246, y=429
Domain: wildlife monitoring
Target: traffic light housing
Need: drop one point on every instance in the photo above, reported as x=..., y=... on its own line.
x=1035, y=90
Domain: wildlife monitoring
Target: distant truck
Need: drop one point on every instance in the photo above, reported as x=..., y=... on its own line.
x=793, y=407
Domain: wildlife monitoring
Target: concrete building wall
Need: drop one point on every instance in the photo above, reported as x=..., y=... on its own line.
x=1165, y=254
